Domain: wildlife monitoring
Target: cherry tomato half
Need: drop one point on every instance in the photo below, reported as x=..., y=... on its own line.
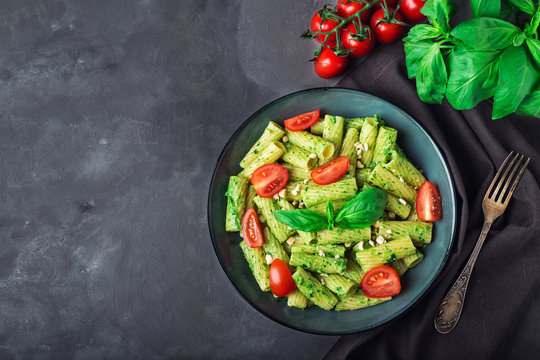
x=386, y=32
x=251, y=229
x=428, y=202
x=281, y=280
x=269, y=179
x=347, y=8
x=317, y=24
x=329, y=65
x=302, y=121
x=331, y=171
x=410, y=9
x=359, y=48
x=381, y=281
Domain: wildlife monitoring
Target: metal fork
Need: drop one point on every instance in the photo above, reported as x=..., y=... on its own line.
x=494, y=204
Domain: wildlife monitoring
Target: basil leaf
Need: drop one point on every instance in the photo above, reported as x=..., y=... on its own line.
x=422, y=32
x=439, y=13
x=473, y=76
x=534, y=49
x=363, y=210
x=302, y=219
x=330, y=215
x=506, y=10
x=414, y=53
x=517, y=77
x=431, y=76
x=527, y=6
x=491, y=8
x=530, y=106
x=486, y=33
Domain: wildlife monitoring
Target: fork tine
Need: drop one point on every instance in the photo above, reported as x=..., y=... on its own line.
x=498, y=179
x=508, y=180
x=516, y=182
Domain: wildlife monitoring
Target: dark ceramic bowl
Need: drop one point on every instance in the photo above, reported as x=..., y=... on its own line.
x=418, y=146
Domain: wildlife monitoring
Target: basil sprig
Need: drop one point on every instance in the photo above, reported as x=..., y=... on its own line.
x=494, y=54
x=360, y=212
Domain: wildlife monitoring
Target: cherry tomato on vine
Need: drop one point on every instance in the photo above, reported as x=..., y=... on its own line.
x=347, y=8
x=381, y=281
x=317, y=24
x=281, y=280
x=410, y=9
x=359, y=48
x=251, y=229
x=389, y=3
x=386, y=32
x=329, y=65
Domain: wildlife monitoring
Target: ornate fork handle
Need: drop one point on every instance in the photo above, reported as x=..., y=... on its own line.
x=450, y=308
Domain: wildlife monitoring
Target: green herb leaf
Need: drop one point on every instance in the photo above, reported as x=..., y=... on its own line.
x=330, y=215
x=414, y=53
x=517, y=77
x=431, y=76
x=473, y=76
x=486, y=33
x=439, y=13
x=530, y=106
x=491, y=8
x=534, y=49
x=527, y=6
x=422, y=32
x=363, y=210
x=302, y=219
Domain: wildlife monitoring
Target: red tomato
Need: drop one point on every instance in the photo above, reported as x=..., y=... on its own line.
x=385, y=32
x=329, y=65
x=331, y=171
x=381, y=281
x=410, y=9
x=389, y=3
x=302, y=121
x=347, y=8
x=269, y=179
x=359, y=48
x=318, y=25
x=281, y=280
x=251, y=229
x=428, y=202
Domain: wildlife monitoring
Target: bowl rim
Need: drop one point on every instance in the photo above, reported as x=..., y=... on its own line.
x=415, y=300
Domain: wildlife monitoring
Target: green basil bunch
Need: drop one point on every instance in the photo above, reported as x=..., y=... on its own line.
x=494, y=54
x=361, y=211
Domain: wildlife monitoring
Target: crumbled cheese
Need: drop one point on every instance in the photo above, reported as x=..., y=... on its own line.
x=276, y=196
x=294, y=192
x=361, y=245
x=401, y=179
x=298, y=187
x=291, y=240
x=285, y=138
x=268, y=259
x=306, y=181
x=301, y=205
x=402, y=201
x=366, y=147
x=348, y=245
x=322, y=282
x=313, y=156
x=391, y=215
x=357, y=145
x=336, y=256
x=388, y=231
x=379, y=240
x=324, y=275
x=359, y=164
x=295, y=203
x=371, y=243
x=377, y=224
x=288, y=227
x=282, y=193
x=321, y=253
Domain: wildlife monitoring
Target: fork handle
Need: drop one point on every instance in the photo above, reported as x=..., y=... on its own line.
x=450, y=308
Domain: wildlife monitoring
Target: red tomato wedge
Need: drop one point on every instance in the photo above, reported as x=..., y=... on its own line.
x=269, y=179
x=331, y=171
x=302, y=121
x=428, y=202
x=381, y=281
x=281, y=280
x=251, y=229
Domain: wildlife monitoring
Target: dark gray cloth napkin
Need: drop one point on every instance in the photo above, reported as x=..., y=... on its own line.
x=502, y=309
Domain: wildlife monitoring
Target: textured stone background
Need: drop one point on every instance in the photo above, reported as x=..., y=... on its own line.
x=112, y=116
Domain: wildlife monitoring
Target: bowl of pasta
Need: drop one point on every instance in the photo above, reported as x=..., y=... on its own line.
x=336, y=220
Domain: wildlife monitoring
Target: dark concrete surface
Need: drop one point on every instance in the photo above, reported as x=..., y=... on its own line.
x=112, y=116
